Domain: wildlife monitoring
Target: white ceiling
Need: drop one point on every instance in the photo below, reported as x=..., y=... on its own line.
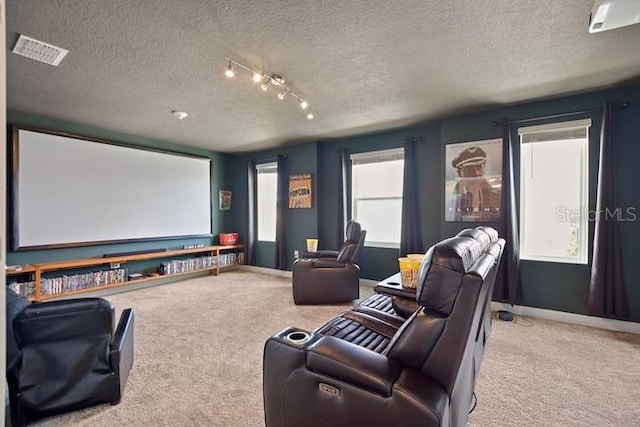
x=364, y=65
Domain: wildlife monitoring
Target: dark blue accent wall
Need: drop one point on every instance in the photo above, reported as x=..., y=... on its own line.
x=218, y=164
x=300, y=223
x=553, y=286
x=563, y=287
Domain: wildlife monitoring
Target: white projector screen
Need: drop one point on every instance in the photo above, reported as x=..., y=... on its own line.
x=69, y=191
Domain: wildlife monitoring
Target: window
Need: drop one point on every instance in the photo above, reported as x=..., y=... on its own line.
x=267, y=193
x=554, y=182
x=377, y=195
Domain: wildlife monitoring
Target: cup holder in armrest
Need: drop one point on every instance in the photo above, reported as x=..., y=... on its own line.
x=298, y=337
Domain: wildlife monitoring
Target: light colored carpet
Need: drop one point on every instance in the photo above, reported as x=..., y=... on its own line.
x=198, y=361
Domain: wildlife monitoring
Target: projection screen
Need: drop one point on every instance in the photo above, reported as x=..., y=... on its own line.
x=69, y=191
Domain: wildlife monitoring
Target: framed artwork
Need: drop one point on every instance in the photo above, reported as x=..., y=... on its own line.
x=473, y=181
x=224, y=197
x=300, y=191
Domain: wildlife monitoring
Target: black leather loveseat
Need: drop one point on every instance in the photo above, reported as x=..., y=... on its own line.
x=377, y=368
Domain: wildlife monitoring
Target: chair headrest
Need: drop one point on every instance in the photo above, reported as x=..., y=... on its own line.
x=441, y=271
x=353, y=231
x=479, y=235
x=492, y=232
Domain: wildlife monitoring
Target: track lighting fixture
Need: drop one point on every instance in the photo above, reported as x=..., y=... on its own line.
x=268, y=80
x=229, y=73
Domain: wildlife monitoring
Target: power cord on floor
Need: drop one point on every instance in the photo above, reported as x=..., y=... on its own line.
x=475, y=402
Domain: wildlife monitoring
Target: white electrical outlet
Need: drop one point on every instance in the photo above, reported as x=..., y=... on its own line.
x=296, y=254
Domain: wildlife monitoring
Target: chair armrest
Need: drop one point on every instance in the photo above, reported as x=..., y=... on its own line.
x=353, y=364
x=121, y=354
x=320, y=254
x=328, y=263
x=403, y=306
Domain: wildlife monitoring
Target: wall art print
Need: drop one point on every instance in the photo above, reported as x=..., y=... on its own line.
x=473, y=181
x=300, y=191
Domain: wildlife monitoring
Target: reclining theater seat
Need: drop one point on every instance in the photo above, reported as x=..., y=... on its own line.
x=70, y=356
x=404, y=307
x=420, y=373
x=326, y=280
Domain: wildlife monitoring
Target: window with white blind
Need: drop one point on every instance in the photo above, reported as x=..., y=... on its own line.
x=554, y=192
x=267, y=196
x=376, y=195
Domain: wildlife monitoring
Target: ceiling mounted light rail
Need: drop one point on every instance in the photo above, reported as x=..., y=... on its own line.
x=268, y=80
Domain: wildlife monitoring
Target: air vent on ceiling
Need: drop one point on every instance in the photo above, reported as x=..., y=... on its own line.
x=38, y=50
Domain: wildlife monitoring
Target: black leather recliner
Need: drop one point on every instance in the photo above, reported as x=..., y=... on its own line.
x=321, y=278
x=379, y=369
x=69, y=355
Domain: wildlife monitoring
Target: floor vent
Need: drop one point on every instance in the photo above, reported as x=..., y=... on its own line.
x=38, y=50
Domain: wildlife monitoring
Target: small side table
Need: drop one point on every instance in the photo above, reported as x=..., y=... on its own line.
x=392, y=286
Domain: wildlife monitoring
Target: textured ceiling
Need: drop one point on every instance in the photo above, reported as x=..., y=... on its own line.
x=365, y=65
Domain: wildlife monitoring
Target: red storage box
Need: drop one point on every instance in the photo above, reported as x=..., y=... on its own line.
x=228, y=238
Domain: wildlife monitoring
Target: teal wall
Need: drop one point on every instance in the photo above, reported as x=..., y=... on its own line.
x=545, y=285
x=218, y=164
x=563, y=287
x=300, y=223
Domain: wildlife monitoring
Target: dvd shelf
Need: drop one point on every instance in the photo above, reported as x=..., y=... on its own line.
x=28, y=280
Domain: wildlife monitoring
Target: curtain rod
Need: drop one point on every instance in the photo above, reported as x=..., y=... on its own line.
x=269, y=159
x=624, y=104
x=557, y=116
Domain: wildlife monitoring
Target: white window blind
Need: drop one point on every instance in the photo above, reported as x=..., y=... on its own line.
x=267, y=194
x=377, y=178
x=554, y=184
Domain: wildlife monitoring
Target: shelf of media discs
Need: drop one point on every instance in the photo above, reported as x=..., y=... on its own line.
x=29, y=280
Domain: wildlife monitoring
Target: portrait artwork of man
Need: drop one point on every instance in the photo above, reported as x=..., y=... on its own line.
x=474, y=189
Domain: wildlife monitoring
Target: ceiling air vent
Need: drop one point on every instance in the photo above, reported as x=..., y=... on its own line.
x=40, y=51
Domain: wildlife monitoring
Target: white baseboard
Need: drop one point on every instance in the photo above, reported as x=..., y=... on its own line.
x=282, y=273
x=264, y=270
x=368, y=282
x=521, y=310
x=576, y=319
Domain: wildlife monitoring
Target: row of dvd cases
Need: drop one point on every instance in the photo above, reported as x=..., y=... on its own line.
x=96, y=279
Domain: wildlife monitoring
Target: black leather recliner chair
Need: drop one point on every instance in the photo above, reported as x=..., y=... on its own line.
x=321, y=278
x=68, y=355
x=379, y=369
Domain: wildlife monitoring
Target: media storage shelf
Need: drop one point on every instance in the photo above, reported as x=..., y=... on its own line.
x=212, y=259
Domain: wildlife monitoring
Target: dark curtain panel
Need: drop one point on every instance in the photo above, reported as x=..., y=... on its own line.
x=410, y=233
x=250, y=232
x=509, y=278
x=343, y=197
x=607, y=293
x=281, y=211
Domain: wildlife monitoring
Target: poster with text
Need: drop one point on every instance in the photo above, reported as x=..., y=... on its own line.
x=300, y=191
x=473, y=181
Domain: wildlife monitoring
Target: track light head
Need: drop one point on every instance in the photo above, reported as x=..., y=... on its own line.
x=303, y=104
x=310, y=114
x=282, y=94
x=266, y=84
x=229, y=73
x=256, y=77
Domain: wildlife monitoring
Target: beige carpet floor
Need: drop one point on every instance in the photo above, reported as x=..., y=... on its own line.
x=198, y=361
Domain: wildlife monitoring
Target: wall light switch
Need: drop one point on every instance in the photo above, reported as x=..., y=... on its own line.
x=296, y=254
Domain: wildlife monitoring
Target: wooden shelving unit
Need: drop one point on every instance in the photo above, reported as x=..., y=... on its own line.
x=39, y=268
